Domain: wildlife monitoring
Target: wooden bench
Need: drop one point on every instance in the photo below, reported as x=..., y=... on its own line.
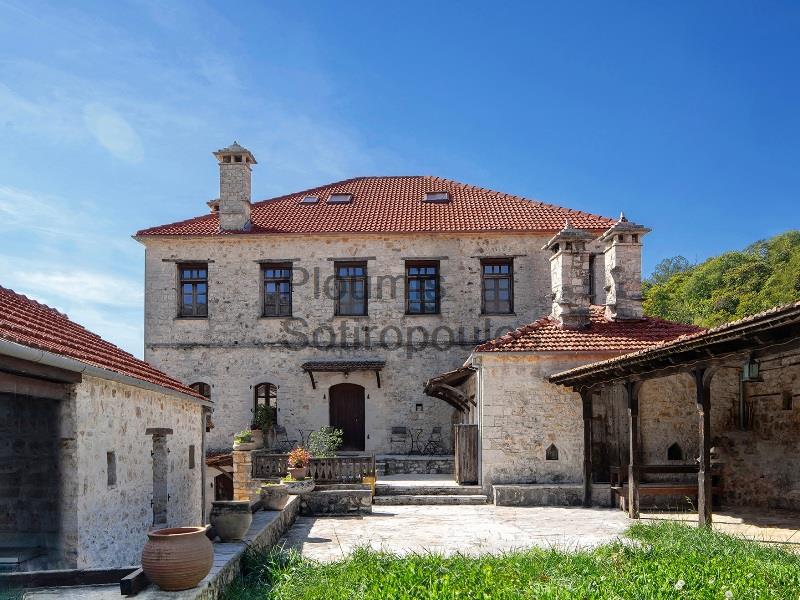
x=619, y=487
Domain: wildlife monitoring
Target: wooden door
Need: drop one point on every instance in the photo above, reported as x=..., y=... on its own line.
x=347, y=414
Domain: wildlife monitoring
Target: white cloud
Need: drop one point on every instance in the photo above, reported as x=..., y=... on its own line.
x=82, y=287
x=113, y=132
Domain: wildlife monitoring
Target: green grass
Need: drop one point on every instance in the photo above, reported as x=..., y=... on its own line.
x=667, y=560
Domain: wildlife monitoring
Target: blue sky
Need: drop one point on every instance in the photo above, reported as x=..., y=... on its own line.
x=683, y=114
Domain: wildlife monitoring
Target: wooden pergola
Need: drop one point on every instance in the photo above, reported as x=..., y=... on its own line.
x=741, y=345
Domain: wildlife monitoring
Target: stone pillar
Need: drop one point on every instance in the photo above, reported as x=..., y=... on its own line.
x=623, y=269
x=244, y=486
x=234, y=187
x=569, y=276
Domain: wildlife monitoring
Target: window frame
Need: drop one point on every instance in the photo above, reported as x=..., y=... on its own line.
x=496, y=277
x=183, y=313
x=283, y=279
x=350, y=278
x=409, y=264
x=202, y=388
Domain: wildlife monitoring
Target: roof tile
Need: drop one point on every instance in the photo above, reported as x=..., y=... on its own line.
x=394, y=205
x=30, y=323
x=546, y=335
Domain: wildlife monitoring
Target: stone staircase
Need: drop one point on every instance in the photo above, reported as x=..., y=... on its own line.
x=395, y=494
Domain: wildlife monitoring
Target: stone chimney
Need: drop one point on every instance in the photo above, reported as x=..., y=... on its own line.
x=234, y=187
x=623, y=258
x=569, y=276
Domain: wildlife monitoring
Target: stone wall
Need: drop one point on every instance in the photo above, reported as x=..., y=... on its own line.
x=521, y=415
x=113, y=520
x=236, y=348
x=407, y=465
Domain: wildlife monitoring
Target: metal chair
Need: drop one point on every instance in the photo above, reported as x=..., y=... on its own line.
x=282, y=442
x=434, y=444
x=399, y=437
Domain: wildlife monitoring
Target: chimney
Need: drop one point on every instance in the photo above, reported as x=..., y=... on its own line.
x=569, y=276
x=623, y=258
x=234, y=187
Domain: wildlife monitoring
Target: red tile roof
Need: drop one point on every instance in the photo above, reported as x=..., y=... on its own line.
x=29, y=323
x=545, y=335
x=395, y=205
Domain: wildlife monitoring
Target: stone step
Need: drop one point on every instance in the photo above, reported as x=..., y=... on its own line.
x=419, y=499
x=383, y=489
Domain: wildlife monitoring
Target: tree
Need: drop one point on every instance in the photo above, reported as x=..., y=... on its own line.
x=726, y=287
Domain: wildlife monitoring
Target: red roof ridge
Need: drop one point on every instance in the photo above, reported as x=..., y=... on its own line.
x=36, y=325
x=393, y=204
x=546, y=334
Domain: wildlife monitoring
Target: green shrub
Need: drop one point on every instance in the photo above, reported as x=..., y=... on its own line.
x=325, y=442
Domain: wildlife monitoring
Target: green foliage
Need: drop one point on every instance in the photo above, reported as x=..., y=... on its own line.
x=243, y=437
x=727, y=287
x=264, y=417
x=668, y=560
x=325, y=442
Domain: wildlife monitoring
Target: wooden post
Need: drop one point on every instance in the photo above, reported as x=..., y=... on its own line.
x=702, y=379
x=632, y=391
x=586, y=398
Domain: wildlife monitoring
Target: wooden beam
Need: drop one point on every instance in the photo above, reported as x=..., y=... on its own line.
x=632, y=391
x=27, y=387
x=132, y=584
x=704, y=493
x=38, y=370
x=586, y=398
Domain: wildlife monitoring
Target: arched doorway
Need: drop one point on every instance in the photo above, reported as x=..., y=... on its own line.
x=347, y=413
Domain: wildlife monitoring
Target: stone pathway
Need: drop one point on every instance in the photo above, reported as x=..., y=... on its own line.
x=451, y=529
x=760, y=524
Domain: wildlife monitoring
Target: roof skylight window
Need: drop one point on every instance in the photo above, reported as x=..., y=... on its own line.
x=310, y=200
x=437, y=197
x=340, y=198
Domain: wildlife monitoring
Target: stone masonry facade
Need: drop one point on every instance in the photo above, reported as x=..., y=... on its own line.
x=107, y=524
x=235, y=348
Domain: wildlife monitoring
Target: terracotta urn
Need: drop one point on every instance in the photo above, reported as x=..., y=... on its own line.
x=298, y=472
x=231, y=519
x=177, y=558
x=274, y=497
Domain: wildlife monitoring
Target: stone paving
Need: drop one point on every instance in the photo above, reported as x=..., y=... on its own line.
x=452, y=529
x=761, y=524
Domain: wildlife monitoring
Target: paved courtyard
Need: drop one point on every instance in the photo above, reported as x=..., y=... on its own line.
x=450, y=529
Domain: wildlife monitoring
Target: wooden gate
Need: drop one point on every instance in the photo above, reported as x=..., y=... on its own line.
x=466, y=454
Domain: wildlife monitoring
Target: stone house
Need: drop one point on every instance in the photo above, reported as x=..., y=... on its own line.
x=96, y=446
x=532, y=431
x=335, y=304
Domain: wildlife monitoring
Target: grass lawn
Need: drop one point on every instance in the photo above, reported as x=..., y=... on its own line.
x=667, y=560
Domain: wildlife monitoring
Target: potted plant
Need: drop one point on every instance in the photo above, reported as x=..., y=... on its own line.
x=177, y=558
x=261, y=427
x=231, y=519
x=274, y=496
x=244, y=440
x=298, y=461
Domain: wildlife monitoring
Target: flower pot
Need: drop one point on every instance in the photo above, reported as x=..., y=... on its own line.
x=244, y=446
x=231, y=519
x=258, y=438
x=304, y=486
x=298, y=472
x=274, y=497
x=177, y=558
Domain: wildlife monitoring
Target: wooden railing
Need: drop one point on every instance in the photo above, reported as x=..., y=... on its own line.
x=338, y=469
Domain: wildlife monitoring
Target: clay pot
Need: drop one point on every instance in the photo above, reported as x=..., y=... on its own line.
x=231, y=519
x=274, y=497
x=298, y=472
x=177, y=558
x=249, y=446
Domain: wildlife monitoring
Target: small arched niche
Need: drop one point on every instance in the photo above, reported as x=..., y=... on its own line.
x=551, y=453
x=675, y=452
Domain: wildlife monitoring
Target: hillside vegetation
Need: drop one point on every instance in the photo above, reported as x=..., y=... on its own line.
x=726, y=287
